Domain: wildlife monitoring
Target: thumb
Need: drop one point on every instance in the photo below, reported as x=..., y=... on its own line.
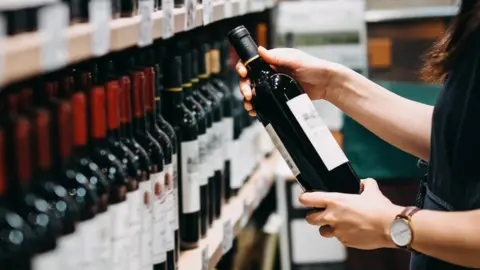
x=369, y=186
x=282, y=57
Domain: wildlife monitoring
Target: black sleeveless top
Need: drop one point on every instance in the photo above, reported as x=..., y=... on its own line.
x=453, y=181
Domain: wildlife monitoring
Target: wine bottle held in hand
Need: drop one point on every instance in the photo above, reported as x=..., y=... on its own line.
x=294, y=126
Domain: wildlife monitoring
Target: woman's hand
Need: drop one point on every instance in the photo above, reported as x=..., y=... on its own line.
x=317, y=77
x=358, y=221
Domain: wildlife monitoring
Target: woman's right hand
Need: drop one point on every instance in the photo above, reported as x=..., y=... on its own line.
x=319, y=78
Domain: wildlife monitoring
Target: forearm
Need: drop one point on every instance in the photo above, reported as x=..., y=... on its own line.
x=453, y=237
x=404, y=123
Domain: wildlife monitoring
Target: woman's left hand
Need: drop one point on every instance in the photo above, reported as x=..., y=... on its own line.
x=358, y=221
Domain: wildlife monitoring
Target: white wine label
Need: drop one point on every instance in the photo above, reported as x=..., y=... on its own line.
x=175, y=191
x=317, y=132
x=227, y=236
x=147, y=204
x=211, y=150
x=227, y=137
x=170, y=208
x=159, y=217
x=134, y=244
x=87, y=230
x=120, y=219
x=145, y=10
x=104, y=240
x=120, y=252
x=202, y=161
x=46, y=261
x=205, y=258
x=281, y=148
x=68, y=248
x=134, y=200
x=218, y=145
x=169, y=239
x=53, y=22
x=168, y=19
x=146, y=250
x=236, y=165
x=100, y=12
x=190, y=185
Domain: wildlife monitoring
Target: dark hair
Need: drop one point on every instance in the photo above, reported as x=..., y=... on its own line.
x=442, y=56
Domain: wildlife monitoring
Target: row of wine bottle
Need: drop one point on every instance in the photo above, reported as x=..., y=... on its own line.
x=23, y=15
x=120, y=162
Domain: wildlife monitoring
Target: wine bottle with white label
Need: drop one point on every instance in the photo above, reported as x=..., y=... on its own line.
x=172, y=188
x=206, y=157
x=298, y=132
x=217, y=65
x=185, y=124
x=208, y=91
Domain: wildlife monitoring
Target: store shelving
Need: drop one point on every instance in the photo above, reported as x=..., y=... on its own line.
x=237, y=211
x=22, y=54
x=374, y=16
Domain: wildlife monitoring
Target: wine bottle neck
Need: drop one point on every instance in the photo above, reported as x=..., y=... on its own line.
x=187, y=89
x=173, y=96
x=258, y=69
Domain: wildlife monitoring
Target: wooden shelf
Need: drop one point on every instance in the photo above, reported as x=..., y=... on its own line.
x=238, y=211
x=23, y=53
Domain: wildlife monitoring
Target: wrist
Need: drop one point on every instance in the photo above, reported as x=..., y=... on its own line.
x=345, y=85
x=390, y=215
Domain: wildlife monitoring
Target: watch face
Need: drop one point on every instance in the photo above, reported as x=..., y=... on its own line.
x=401, y=233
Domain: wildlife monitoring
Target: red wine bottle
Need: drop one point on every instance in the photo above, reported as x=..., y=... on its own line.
x=114, y=172
x=16, y=250
x=129, y=137
x=225, y=94
x=294, y=125
x=206, y=159
x=20, y=199
x=155, y=152
x=172, y=196
x=208, y=91
x=184, y=122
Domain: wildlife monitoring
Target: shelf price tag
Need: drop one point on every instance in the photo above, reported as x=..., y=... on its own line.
x=227, y=242
x=228, y=9
x=207, y=11
x=168, y=19
x=205, y=258
x=145, y=9
x=242, y=7
x=100, y=15
x=190, y=13
x=53, y=21
x=257, y=5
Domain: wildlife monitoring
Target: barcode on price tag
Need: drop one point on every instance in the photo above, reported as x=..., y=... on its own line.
x=227, y=236
x=53, y=21
x=205, y=258
x=100, y=15
x=190, y=15
x=168, y=19
x=145, y=9
x=207, y=11
x=228, y=8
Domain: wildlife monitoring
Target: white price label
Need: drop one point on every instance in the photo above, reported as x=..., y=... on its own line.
x=228, y=10
x=207, y=11
x=53, y=22
x=257, y=5
x=242, y=7
x=145, y=9
x=100, y=15
x=227, y=236
x=168, y=19
x=205, y=258
x=191, y=12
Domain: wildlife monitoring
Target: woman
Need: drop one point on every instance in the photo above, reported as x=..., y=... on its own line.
x=445, y=234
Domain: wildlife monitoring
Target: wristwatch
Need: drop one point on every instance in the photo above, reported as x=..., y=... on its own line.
x=401, y=230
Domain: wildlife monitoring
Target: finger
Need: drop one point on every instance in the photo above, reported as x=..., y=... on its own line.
x=248, y=105
x=317, y=199
x=245, y=89
x=316, y=218
x=369, y=185
x=279, y=57
x=241, y=70
x=326, y=231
